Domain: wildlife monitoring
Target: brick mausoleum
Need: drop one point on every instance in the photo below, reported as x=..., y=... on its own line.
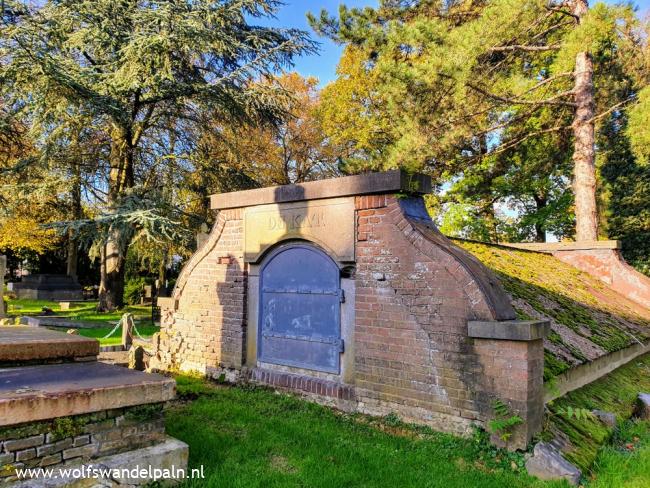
x=344, y=290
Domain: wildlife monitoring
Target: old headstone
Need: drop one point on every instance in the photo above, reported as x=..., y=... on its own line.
x=548, y=464
x=48, y=287
x=147, y=294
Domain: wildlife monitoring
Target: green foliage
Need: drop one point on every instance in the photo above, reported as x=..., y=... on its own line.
x=505, y=421
x=624, y=193
x=392, y=420
x=114, y=92
x=66, y=427
x=579, y=413
x=134, y=289
x=639, y=126
x=625, y=462
x=479, y=95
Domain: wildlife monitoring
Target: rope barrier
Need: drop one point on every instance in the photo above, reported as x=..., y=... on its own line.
x=137, y=332
x=117, y=326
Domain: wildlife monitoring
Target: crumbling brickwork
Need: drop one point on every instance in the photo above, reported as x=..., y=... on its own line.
x=203, y=324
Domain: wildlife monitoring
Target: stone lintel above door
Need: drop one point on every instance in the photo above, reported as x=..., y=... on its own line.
x=329, y=223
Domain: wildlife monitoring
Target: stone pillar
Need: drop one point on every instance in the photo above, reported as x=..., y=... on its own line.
x=511, y=354
x=3, y=270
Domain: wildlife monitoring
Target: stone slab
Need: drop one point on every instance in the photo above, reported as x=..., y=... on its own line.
x=170, y=454
x=31, y=393
x=548, y=464
x=550, y=247
x=49, y=321
x=329, y=223
x=21, y=344
x=394, y=181
x=509, y=330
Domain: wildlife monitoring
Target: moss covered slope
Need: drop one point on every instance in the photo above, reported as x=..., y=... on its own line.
x=588, y=319
x=615, y=392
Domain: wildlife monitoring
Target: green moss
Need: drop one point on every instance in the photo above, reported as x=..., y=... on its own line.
x=142, y=413
x=553, y=366
x=615, y=392
x=67, y=427
x=571, y=298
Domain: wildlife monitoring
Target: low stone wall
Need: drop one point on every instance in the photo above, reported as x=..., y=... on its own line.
x=586, y=373
x=78, y=439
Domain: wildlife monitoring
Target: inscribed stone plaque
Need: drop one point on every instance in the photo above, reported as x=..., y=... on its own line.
x=328, y=223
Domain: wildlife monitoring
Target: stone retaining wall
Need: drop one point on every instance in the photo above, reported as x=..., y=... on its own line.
x=78, y=439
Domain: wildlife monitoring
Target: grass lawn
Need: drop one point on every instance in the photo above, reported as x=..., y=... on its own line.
x=626, y=461
x=253, y=437
x=145, y=329
x=80, y=311
x=85, y=311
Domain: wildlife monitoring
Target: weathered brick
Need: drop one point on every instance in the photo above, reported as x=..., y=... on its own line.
x=19, y=444
x=84, y=451
x=50, y=460
x=26, y=454
x=6, y=458
x=81, y=440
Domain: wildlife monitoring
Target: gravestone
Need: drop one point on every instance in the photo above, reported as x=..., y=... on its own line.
x=54, y=287
x=3, y=270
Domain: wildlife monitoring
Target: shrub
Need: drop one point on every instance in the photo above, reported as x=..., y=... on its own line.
x=134, y=290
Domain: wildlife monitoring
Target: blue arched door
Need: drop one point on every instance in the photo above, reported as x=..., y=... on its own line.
x=300, y=310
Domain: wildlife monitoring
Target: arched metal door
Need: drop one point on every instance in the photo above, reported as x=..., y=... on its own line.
x=300, y=310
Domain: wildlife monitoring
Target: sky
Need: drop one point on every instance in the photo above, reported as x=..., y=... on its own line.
x=323, y=64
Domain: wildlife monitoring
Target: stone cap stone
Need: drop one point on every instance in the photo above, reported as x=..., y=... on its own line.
x=19, y=344
x=394, y=181
x=551, y=247
x=509, y=330
x=31, y=393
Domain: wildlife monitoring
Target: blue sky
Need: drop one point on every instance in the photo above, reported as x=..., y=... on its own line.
x=323, y=65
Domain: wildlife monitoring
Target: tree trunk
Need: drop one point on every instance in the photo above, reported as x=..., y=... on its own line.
x=111, y=287
x=584, y=172
x=540, y=204
x=72, y=255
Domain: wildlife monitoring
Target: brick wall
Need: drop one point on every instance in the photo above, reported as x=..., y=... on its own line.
x=415, y=294
x=77, y=439
x=203, y=325
x=609, y=266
